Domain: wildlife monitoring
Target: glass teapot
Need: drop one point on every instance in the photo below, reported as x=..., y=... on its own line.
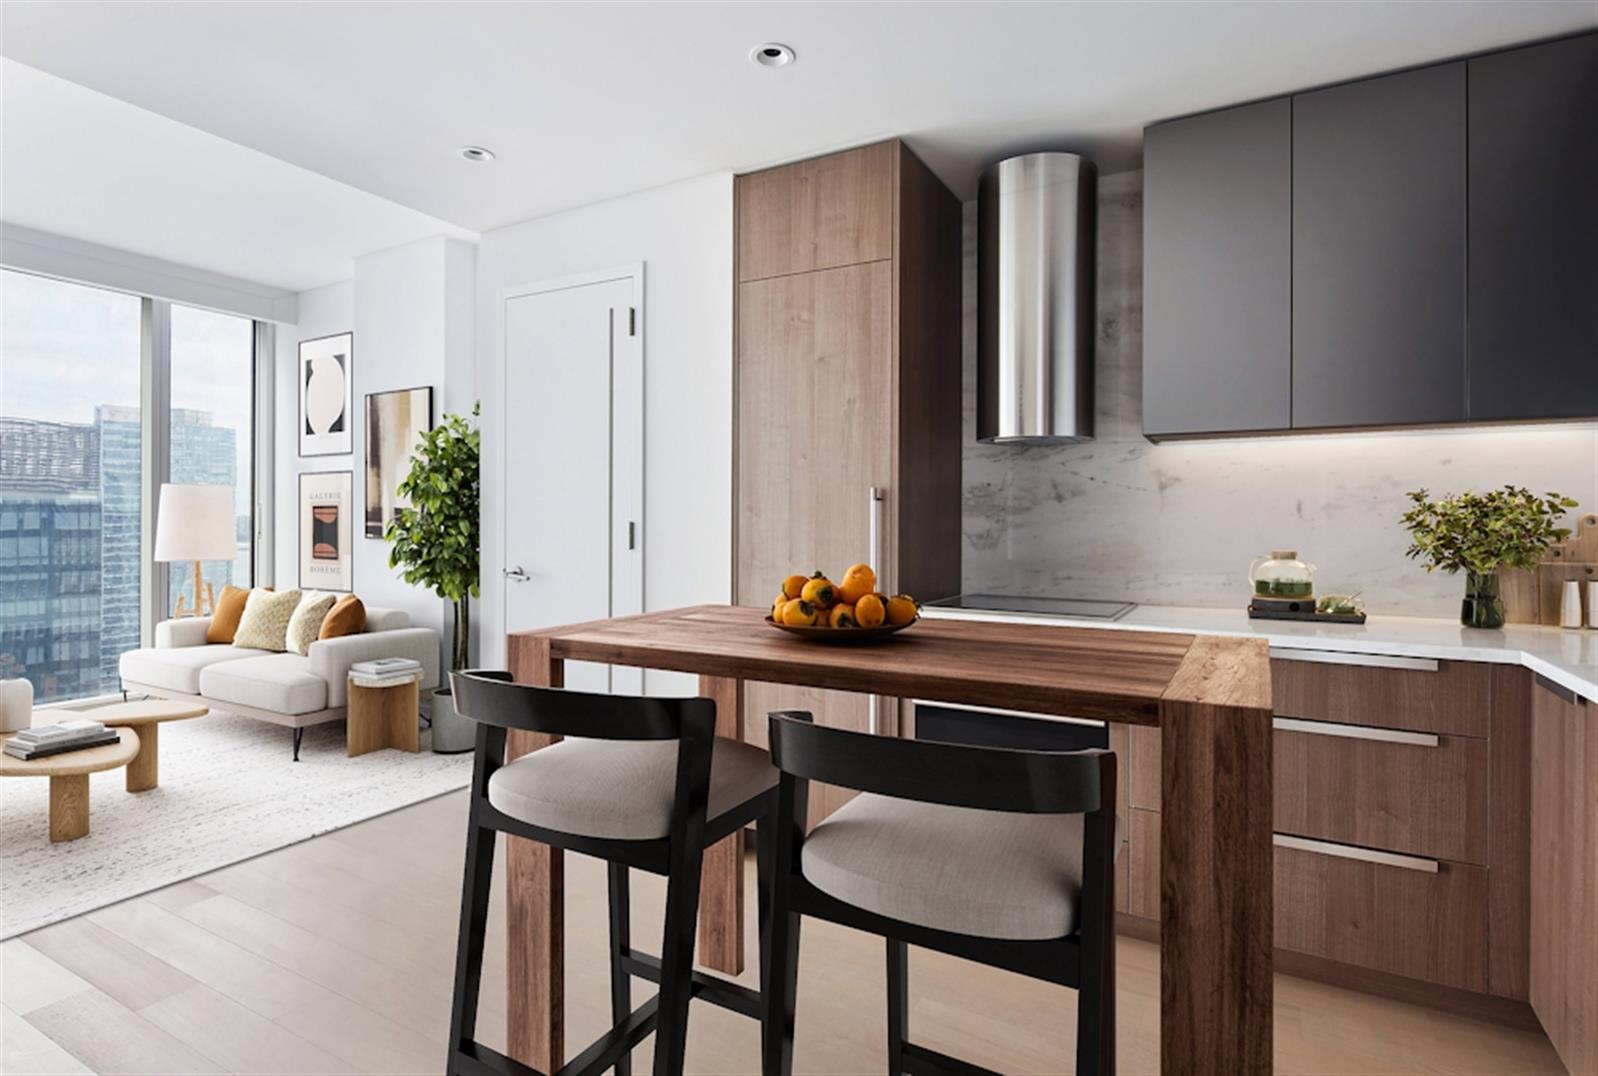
x=1281, y=575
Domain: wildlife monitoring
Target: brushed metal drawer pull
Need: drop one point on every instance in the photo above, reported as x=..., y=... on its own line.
x=1355, y=732
x=1364, y=855
x=1344, y=657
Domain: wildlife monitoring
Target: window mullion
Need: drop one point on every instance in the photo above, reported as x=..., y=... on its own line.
x=156, y=457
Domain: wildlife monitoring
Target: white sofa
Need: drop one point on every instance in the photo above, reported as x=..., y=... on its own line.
x=285, y=689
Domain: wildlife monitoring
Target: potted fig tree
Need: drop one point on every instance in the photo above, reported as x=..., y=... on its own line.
x=1479, y=533
x=435, y=541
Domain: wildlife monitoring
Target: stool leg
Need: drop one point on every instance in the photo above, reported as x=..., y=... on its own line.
x=677, y=959
x=898, y=1004
x=621, y=995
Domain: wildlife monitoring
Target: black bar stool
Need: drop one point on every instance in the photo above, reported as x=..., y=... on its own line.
x=648, y=785
x=998, y=856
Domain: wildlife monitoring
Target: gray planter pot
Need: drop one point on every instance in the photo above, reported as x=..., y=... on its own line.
x=452, y=733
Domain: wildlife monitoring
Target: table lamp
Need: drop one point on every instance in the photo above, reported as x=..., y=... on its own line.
x=195, y=523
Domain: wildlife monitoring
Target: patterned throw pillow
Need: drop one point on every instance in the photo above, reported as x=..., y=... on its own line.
x=305, y=626
x=265, y=624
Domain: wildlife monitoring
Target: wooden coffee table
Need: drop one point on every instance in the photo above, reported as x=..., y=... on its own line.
x=69, y=780
x=144, y=772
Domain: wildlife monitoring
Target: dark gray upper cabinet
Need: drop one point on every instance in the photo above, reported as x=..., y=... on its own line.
x=1533, y=337
x=1217, y=236
x=1379, y=251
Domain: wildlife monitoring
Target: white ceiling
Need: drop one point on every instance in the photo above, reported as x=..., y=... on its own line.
x=584, y=101
x=78, y=163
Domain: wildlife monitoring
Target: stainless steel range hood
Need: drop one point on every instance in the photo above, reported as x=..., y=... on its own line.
x=1035, y=299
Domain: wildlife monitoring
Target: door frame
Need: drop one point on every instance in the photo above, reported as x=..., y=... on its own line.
x=626, y=437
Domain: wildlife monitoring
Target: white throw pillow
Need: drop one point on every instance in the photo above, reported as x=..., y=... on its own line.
x=305, y=626
x=265, y=623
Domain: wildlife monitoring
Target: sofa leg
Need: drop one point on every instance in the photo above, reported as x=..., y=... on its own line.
x=299, y=734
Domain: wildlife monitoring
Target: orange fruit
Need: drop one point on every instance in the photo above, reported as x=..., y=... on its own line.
x=818, y=590
x=842, y=616
x=870, y=611
x=799, y=613
x=858, y=581
x=794, y=585
x=902, y=610
x=776, y=607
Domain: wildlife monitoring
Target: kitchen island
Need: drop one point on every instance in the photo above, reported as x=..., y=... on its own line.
x=1210, y=699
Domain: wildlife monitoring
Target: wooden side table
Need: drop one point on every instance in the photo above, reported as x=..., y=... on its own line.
x=386, y=716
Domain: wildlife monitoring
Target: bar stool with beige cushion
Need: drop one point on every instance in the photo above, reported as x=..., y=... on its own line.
x=648, y=785
x=998, y=856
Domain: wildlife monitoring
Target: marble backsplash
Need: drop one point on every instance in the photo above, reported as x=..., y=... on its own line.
x=1175, y=524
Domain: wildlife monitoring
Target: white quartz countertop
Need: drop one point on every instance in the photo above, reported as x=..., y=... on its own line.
x=1568, y=657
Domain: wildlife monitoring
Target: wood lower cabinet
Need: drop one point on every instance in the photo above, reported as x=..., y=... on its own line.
x=847, y=364
x=1564, y=873
x=1416, y=793
x=1401, y=852
x=1420, y=923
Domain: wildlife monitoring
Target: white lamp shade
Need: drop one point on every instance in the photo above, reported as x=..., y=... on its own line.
x=195, y=523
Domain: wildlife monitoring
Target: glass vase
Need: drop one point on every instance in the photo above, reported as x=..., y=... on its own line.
x=1482, y=607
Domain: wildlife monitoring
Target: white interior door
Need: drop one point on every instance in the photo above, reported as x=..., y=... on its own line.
x=573, y=496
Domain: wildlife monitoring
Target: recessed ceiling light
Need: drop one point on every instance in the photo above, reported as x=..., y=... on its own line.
x=772, y=54
x=476, y=153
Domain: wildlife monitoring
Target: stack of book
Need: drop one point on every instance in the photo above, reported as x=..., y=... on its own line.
x=55, y=739
x=385, y=672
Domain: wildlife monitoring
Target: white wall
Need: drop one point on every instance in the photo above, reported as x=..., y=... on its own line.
x=683, y=235
x=323, y=311
x=411, y=310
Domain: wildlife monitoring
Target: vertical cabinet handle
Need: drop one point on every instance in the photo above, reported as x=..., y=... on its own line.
x=874, y=545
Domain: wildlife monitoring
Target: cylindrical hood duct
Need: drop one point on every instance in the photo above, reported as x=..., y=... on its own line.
x=1035, y=308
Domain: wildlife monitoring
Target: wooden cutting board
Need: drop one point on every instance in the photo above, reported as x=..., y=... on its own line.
x=1533, y=597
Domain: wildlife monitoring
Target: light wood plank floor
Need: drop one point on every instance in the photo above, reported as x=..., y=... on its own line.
x=336, y=955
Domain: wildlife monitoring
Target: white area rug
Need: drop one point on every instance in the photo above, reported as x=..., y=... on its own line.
x=228, y=792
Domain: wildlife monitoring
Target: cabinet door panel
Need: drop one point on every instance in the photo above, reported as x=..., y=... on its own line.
x=1217, y=271
x=1379, y=251
x=1534, y=232
x=814, y=434
x=817, y=214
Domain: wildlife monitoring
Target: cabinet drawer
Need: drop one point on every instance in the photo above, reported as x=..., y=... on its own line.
x=1419, y=793
x=1394, y=693
x=1425, y=920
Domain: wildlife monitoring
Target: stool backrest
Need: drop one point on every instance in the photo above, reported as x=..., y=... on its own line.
x=993, y=778
x=491, y=697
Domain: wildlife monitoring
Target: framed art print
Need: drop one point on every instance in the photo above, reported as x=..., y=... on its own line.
x=395, y=424
x=326, y=521
x=325, y=401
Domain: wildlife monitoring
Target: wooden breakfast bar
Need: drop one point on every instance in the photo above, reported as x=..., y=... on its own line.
x=1209, y=696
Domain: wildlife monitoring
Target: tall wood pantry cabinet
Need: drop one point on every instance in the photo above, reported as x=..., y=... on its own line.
x=847, y=394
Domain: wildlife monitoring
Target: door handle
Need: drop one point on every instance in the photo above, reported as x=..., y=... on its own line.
x=1364, y=855
x=515, y=573
x=1346, y=657
x=874, y=545
x=1355, y=732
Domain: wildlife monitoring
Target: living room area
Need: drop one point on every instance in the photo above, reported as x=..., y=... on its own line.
x=238, y=509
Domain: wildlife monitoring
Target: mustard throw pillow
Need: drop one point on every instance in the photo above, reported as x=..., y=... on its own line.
x=225, y=618
x=265, y=624
x=347, y=617
x=305, y=626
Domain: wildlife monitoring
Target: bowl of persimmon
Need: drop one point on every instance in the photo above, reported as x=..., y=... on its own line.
x=848, y=611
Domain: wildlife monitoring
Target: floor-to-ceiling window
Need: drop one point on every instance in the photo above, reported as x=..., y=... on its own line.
x=213, y=400
x=75, y=366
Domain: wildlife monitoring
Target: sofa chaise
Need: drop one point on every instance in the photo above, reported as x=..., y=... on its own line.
x=283, y=688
